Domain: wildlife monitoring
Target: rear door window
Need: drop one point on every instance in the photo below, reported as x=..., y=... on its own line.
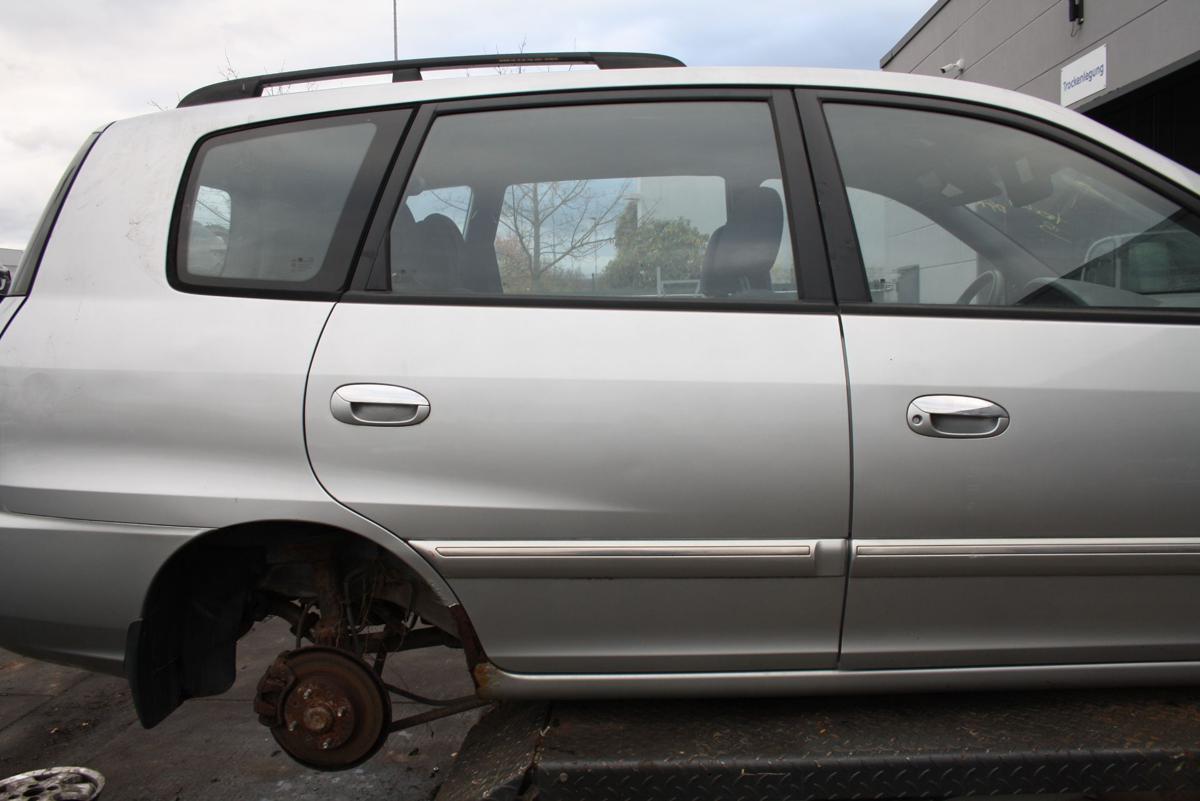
x=666, y=200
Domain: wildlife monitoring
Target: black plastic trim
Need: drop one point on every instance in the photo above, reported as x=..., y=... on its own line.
x=1090, y=314
x=849, y=274
x=388, y=198
x=809, y=255
x=410, y=70
x=574, y=302
x=31, y=259
x=347, y=241
x=845, y=265
x=808, y=246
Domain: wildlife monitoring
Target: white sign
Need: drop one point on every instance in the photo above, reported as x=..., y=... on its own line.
x=1085, y=76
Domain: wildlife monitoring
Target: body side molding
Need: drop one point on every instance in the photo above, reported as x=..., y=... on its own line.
x=1072, y=556
x=634, y=558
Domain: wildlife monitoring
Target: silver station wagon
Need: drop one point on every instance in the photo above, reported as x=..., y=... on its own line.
x=637, y=381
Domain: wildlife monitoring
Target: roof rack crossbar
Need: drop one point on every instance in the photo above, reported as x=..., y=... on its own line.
x=410, y=70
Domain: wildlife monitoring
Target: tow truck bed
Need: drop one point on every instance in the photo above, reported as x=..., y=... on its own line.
x=829, y=749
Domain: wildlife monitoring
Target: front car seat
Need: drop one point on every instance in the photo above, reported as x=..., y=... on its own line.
x=742, y=252
x=426, y=256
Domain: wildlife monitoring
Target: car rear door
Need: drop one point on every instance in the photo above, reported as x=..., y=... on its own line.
x=1021, y=354
x=578, y=374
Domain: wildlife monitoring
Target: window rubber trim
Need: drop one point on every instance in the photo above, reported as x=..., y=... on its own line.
x=808, y=246
x=845, y=259
x=31, y=259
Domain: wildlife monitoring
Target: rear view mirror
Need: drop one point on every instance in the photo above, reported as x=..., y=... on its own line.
x=1026, y=182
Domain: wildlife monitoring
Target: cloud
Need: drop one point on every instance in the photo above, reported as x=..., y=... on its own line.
x=68, y=67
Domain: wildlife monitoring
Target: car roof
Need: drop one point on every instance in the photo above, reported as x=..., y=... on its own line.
x=252, y=110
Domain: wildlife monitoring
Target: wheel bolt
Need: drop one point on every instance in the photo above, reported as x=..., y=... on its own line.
x=325, y=744
x=342, y=711
x=307, y=693
x=291, y=725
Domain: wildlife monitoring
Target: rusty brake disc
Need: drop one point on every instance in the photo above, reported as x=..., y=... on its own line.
x=325, y=707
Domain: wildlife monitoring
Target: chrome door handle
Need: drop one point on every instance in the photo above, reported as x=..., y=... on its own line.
x=956, y=416
x=378, y=405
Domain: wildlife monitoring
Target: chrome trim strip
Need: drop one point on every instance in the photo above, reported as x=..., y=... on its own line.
x=582, y=549
x=1032, y=547
x=499, y=683
x=634, y=558
x=1079, y=556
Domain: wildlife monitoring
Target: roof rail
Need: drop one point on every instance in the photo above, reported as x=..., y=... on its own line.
x=253, y=86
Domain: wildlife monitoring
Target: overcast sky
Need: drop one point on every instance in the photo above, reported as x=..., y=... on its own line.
x=69, y=66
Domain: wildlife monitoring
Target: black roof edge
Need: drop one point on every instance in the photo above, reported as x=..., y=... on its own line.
x=410, y=70
x=912, y=32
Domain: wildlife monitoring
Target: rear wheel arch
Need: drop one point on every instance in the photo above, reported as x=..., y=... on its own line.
x=212, y=589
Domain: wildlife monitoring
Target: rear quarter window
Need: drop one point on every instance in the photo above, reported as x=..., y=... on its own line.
x=279, y=209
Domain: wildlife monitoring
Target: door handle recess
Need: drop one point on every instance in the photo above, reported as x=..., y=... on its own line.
x=956, y=417
x=378, y=405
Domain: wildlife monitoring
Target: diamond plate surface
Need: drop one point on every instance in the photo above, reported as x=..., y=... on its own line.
x=874, y=748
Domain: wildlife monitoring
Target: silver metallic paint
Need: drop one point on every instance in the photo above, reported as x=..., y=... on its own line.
x=602, y=424
x=1104, y=439
x=1038, y=618
x=8, y=308
x=124, y=400
x=599, y=625
x=70, y=588
x=128, y=401
x=1103, y=454
x=638, y=425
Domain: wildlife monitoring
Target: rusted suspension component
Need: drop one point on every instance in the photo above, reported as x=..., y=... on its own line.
x=408, y=641
x=325, y=707
x=456, y=707
x=422, y=699
x=329, y=629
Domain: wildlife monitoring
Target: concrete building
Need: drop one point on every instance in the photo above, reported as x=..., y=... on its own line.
x=9, y=258
x=1132, y=64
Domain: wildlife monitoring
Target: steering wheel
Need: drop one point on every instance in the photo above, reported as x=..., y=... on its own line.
x=986, y=290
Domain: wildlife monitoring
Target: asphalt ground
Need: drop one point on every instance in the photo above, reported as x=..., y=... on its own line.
x=214, y=748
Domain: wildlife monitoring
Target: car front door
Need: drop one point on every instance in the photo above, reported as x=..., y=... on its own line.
x=580, y=377
x=1021, y=319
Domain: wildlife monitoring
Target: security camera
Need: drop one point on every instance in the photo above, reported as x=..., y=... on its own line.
x=953, y=69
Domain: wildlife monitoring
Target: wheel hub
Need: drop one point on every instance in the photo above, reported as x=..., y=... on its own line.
x=325, y=707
